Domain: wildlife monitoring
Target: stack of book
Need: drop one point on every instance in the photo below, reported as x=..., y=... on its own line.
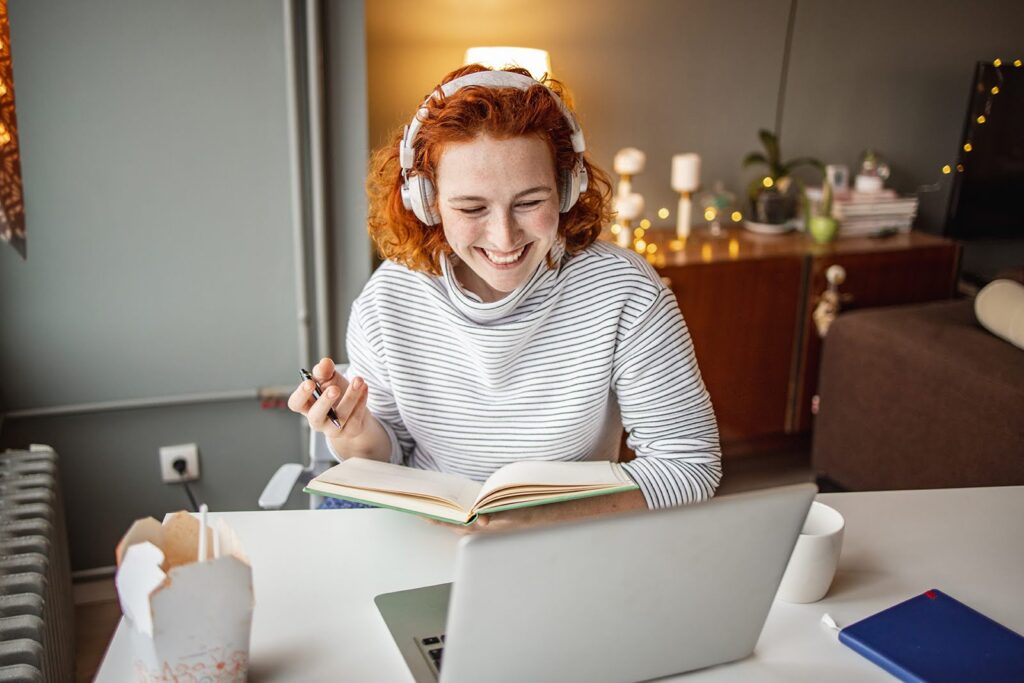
x=868, y=213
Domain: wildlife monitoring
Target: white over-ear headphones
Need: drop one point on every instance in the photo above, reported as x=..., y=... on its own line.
x=418, y=192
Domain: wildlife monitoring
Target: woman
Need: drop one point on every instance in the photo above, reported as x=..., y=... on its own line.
x=499, y=329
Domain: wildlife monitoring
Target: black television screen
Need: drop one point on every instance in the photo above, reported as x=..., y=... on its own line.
x=987, y=198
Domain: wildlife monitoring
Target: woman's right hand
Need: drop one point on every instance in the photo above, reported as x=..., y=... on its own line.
x=347, y=399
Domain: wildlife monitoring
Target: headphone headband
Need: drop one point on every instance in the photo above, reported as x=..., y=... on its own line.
x=488, y=79
x=418, y=192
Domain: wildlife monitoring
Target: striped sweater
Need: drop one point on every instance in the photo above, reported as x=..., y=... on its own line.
x=553, y=371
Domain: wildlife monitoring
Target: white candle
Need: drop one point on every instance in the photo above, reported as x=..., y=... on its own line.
x=629, y=207
x=685, y=172
x=629, y=161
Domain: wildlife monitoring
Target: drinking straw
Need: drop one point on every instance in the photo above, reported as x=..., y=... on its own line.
x=202, y=532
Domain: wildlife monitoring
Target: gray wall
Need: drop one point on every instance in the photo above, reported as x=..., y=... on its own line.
x=347, y=149
x=703, y=76
x=155, y=149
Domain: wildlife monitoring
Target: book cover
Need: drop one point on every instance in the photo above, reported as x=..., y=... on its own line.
x=933, y=637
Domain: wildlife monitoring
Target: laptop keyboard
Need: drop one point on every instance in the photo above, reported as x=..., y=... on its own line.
x=432, y=648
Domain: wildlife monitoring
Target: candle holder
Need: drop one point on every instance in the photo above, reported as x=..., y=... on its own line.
x=629, y=161
x=627, y=209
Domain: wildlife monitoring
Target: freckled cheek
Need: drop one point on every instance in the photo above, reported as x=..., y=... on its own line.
x=546, y=222
x=460, y=233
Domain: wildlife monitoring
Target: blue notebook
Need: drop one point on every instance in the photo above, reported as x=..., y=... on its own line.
x=933, y=637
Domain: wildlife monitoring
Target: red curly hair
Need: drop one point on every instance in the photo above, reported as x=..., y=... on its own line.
x=469, y=112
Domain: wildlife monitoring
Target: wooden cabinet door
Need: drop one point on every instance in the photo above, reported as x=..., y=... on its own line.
x=742, y=317
x=874, y=278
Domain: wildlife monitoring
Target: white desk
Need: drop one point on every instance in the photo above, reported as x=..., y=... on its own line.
x=316, y=573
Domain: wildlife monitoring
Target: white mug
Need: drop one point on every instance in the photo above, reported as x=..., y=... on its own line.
x=815, y=556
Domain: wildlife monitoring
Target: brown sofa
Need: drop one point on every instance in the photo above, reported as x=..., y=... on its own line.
x=919, y=396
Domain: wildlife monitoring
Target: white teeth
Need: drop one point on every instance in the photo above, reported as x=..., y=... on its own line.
x=506, y=259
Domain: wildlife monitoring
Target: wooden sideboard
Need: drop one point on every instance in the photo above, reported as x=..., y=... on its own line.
x=748, y=299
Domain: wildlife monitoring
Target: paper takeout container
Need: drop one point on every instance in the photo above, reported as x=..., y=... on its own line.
x=189, y=620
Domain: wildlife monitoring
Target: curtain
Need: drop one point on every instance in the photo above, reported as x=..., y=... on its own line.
x=12, y=205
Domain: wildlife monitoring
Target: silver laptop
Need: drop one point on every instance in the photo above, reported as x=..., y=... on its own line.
x=617, y=598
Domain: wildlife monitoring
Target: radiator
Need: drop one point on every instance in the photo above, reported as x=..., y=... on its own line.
x=37, y=624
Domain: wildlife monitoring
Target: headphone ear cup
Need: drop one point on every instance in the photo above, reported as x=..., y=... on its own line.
x=418, y=197
x=427, y=197
x=568, y=188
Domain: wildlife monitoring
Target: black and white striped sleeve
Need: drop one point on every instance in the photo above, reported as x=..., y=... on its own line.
x=366, y=356
x=665, y=406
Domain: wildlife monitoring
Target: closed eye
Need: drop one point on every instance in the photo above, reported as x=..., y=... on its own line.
x=479, y=210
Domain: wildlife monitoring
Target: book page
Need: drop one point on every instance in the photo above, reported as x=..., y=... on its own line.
x=536, y=477
x=373, y=475
x=511, y=500
x=427, y=507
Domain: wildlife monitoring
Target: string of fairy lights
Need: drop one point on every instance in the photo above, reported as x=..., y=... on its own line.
x=711, y=213
x=980, y=118
x=650, y=249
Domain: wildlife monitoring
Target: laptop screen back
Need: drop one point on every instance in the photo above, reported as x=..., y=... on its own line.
x=622, y=598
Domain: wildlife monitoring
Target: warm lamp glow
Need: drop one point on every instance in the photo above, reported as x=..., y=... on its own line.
x=767, y=182
x=663, y=213
x=537, y=62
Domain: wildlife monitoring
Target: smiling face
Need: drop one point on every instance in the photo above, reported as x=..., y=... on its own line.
x=498, y=202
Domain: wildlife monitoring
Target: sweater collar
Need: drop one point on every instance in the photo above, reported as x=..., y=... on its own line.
x=471, y=306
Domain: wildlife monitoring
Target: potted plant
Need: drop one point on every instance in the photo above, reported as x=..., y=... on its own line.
x=771, y=197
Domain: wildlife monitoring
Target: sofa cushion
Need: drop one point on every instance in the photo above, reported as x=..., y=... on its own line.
x=1000, y=310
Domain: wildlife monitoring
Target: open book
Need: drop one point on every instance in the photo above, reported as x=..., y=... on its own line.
x=455, y=499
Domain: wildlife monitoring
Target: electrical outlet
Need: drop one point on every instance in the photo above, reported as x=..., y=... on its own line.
x=168, y=454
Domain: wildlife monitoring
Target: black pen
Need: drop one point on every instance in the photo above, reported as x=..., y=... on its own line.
x=316, y=395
